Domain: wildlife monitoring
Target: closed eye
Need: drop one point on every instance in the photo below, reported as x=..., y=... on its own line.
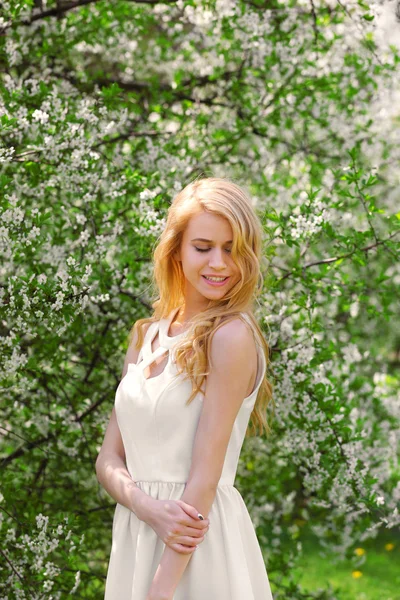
x=207, y=249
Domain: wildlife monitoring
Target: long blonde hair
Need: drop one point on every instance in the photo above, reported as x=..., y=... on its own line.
x=221, y=197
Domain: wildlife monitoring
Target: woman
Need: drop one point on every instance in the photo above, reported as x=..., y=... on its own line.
x=171, y=448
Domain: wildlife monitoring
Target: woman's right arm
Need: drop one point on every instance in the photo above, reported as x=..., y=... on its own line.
x=175, y=522
x=111, y=469
x=113, y=475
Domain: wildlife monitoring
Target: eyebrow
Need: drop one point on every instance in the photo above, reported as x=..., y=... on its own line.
x=209, y=241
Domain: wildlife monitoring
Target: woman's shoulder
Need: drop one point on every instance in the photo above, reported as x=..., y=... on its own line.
x=234, y=330
x=238, y=330
x=133, y=333
x=233, y=347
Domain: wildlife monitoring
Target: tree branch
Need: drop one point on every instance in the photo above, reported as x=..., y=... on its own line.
x=61, y=9
x=336, y=258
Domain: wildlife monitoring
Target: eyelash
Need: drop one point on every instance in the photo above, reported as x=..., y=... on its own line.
x=207, y=249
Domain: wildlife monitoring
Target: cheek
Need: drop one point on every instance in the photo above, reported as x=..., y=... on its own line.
x=196, y=260
x=234, y=268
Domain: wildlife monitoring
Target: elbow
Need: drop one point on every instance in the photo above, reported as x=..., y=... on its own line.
x=206, y=476
x=203, y=484
x=212, y=486
x=97, y=466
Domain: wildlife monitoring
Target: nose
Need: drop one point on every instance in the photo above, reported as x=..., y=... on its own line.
x=217, y=259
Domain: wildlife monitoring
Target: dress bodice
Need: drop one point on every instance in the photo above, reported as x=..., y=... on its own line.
x=157, y=426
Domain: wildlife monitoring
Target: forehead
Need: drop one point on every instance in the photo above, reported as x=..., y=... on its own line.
x=210, y=226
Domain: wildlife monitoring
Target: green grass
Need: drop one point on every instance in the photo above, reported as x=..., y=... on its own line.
x=380, y=579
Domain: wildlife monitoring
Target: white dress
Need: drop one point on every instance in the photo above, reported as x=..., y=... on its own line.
x=158, y=432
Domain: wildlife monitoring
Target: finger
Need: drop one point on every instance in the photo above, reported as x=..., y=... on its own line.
x=190, y=510
x=184, y=549
x=189, y=528
x=181, y=549
x=199, y=526
x=192, y=532
x=189, y=541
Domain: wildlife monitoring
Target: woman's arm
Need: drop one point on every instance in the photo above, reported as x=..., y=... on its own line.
x=113, y=475
x=227, y=385
x=111, y=469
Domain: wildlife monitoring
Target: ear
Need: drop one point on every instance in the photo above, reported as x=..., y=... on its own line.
x=177, y=256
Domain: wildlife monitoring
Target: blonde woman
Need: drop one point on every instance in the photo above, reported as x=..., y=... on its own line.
x=193, y=378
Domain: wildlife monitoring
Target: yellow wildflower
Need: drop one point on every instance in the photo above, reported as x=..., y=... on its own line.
x=356, y=574
x=359, y=551
x=389, y=547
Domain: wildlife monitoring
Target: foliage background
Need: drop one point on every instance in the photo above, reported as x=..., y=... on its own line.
x=107, y=110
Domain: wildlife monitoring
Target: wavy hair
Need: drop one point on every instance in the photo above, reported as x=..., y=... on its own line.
x=221, y=197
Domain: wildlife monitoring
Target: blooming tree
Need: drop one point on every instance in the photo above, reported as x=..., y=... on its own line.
x=107, y=110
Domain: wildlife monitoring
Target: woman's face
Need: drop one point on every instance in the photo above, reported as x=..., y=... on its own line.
x=206, y=251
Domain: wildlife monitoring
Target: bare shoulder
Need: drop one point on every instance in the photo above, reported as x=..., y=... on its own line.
x=232, y=328
x=132, y=353
x=237, y=336
x=134, y=339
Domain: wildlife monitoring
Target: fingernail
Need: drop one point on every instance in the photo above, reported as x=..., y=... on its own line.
x=200, y=516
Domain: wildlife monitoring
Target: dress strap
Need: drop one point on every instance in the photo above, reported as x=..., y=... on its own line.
x=166, y=343
x=145, y=350
x=150, y=358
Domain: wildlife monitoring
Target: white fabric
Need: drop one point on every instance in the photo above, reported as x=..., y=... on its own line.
x=158, y=432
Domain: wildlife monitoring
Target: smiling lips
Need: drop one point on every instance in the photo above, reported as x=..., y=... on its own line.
x=215, y=282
